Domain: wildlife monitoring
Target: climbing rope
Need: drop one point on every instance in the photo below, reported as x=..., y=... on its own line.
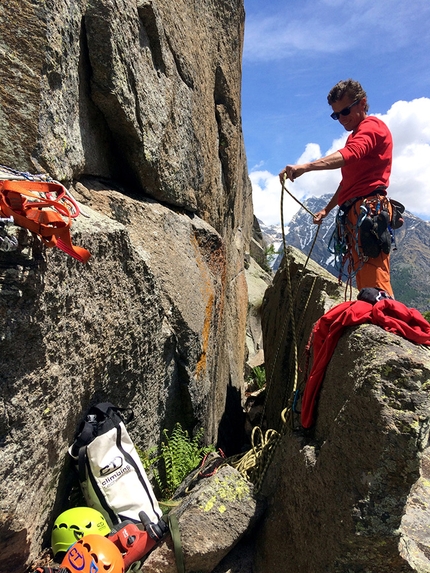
x=290, y=389
x=254, y=464
x=24, y=174
x=295, y=198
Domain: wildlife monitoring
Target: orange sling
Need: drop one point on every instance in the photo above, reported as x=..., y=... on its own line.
x=31, y=205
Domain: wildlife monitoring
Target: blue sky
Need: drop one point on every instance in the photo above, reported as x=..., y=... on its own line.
x=295, y=51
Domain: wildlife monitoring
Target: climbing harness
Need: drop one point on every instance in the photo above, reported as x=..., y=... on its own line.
x=44, y=208
x=376, y=217
x=7, y=173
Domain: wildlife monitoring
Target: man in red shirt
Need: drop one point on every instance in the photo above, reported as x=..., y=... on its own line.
x=365, y=163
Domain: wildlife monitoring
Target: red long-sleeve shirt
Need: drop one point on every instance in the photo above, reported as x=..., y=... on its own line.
x=367, y=155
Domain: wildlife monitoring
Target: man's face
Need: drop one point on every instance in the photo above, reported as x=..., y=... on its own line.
x=356, y=112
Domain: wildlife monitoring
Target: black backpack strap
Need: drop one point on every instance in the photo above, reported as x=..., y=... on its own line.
x=397, y=205
x=84, y=436
x=94, y=421
x=82, y=456
x=103, y=408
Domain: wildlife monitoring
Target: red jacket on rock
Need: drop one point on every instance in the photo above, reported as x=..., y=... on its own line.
x=389, y=314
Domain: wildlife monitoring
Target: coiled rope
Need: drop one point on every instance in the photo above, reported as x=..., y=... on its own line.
x=253, y=464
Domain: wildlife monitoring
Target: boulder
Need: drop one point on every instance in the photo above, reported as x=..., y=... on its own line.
x=143, y=91
x=257, y=280
x=140, y=325
x=351, y=493
x=212, y=518
x=133, y=105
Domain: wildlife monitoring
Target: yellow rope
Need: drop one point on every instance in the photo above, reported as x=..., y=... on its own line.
x=290, y=315
x=254, y=464
x=290, y=389
x=295, y=198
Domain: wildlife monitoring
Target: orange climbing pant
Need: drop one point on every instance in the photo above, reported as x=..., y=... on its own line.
x=370, y=272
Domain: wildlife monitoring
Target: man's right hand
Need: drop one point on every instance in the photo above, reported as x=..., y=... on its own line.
x=291, y=172
x=320, y=216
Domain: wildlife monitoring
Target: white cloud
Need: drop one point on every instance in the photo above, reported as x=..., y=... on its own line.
x=273, y=38
x=266, y=196
x=409, y=123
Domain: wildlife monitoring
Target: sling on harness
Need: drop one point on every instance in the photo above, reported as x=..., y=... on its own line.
x=45, y=209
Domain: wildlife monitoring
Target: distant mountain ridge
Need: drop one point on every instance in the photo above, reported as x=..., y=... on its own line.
x=410, y=262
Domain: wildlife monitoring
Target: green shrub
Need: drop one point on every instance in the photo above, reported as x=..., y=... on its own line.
x=178, y=456
x=269, y=258
x=258, y=377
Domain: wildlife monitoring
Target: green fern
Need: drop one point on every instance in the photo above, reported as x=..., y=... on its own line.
x=259, y=375
x=179, y=455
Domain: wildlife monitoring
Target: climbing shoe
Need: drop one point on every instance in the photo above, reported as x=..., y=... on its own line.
x=382, y=222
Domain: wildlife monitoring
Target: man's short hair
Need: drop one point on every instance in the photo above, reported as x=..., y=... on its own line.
x=351, y=88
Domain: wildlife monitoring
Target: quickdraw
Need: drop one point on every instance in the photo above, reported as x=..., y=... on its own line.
x=43, y=208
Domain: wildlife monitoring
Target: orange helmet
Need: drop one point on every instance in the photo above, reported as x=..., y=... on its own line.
x=94, y=553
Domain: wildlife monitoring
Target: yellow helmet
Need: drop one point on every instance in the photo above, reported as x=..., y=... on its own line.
x=73, y=524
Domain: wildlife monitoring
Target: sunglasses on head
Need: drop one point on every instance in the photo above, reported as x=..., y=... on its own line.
x=344, y=111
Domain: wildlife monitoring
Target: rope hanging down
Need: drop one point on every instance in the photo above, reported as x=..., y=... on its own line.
x=292, y=373
x=295, y=198
x=282, y=219
x=253, y=464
